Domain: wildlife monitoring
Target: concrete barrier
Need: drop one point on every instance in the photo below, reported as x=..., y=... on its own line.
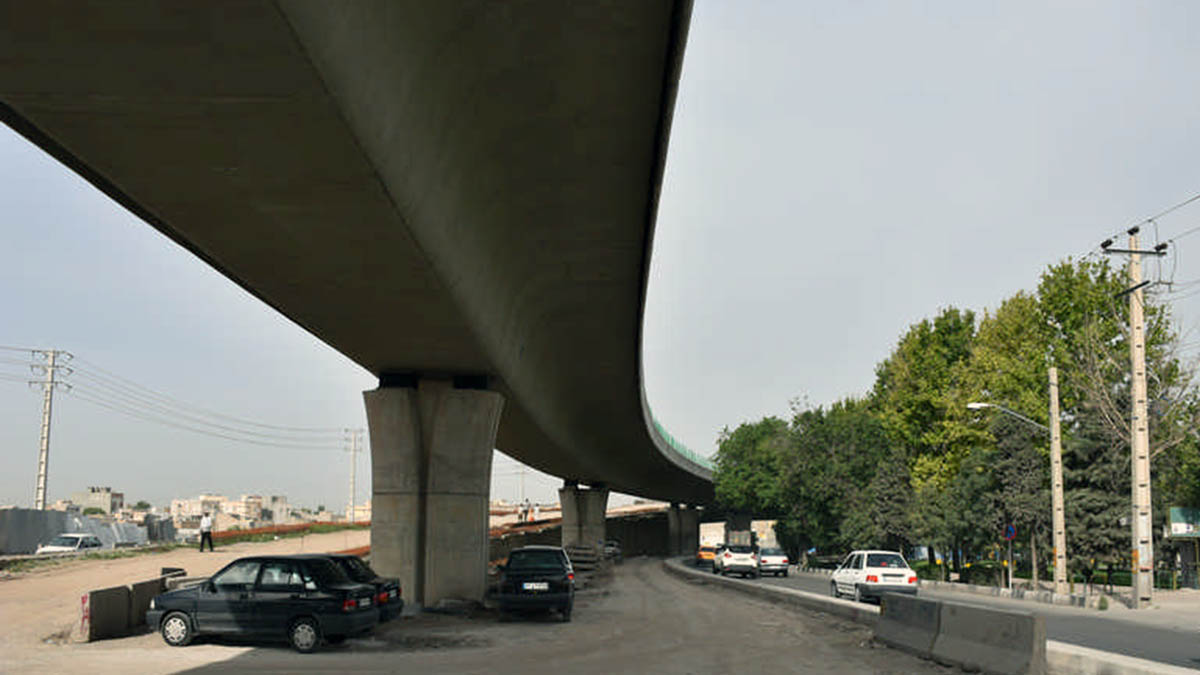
x=1068, y=659
x=1058, y=658
x=991, y=640
x=174, y=583
x=909, y=623
x=854, y=611
x=140, y=595
x=104, y=614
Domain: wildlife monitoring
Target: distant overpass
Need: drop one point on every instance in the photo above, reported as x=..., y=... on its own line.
x=459, y=196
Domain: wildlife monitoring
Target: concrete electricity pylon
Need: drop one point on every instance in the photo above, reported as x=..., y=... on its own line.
x=353, y=435
x=1142, y=553
x=50, y=369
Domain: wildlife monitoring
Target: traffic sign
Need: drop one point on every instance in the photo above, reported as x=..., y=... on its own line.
x=1010, y=532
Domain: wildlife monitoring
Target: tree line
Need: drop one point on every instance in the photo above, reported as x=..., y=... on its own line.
x=908, y=463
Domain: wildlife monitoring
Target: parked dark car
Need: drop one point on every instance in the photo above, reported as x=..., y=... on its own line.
x=537, y=578
x=388, y=595
x=303, y=598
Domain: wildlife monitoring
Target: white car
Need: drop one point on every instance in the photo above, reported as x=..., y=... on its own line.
x=736, y=559
x=870, y=574
x=71, y=542
x=772, y=561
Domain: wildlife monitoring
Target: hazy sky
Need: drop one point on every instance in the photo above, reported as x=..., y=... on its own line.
x=837, y=171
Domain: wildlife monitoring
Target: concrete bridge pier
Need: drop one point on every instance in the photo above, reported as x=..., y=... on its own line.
x=583, y=515
x=431, y=464
x=683, y=529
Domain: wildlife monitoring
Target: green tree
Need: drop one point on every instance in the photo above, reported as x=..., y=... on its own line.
x=833, y=457
x=93, y=510
x=748, y=466
x=1096, y=478
x=142, y=505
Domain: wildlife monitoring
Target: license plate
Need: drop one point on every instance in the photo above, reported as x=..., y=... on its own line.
x=536, y=586
x=365, y=602
x=392, y=593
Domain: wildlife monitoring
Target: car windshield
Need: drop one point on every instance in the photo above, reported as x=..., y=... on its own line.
x=741, y=549
x=531, y=560
x=326, y=573
x=885, y=560
x=772, y=551
x=65, y=541
x=357, y=569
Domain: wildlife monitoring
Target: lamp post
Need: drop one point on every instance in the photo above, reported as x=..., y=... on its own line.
x=1058, y=519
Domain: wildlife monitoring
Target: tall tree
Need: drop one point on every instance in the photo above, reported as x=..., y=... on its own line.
x=749, y=461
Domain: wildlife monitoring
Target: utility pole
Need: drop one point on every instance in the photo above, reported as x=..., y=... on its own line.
x=1143, y=542
x=1058, y=518
x=354, y=436
x=51, y=369
x=1142, y=553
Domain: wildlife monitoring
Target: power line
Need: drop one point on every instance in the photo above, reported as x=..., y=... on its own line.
x=156, y=420
x=134, y=386
x=102, y=389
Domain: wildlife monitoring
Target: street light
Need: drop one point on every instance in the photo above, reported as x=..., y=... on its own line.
x=1058, y=524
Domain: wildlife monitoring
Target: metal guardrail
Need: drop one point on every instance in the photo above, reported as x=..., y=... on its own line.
x=677, y=446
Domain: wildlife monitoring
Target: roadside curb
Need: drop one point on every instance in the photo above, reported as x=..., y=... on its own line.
x=1061, y=658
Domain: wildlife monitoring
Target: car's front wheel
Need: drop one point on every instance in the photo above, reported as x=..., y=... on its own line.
x=304, y=635
x=177, y=630
x=833, y=589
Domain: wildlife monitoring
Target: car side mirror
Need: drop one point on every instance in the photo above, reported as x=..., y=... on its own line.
x=210, y=587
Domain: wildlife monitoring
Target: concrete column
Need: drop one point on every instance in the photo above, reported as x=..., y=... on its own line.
x=583, y=515
x=431, y=464
x=689, y=530
x=674, y=530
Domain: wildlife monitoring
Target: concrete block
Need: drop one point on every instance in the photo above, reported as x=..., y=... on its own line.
x=140, y=595
x=104, y=614
x=991, y=640
x=908, y=623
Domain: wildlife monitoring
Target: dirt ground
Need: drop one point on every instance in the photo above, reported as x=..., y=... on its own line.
x=638, y=620
x=40, y=608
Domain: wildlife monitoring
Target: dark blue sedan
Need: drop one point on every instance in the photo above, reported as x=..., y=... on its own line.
x=303, y=598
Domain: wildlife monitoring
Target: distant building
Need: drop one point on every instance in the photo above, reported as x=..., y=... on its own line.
x=102, y=498
x=362, y=512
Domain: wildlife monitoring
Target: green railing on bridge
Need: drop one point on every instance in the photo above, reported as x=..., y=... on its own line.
x=677, y=446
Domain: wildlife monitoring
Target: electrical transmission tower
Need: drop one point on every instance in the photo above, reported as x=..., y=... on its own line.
x=50, y=369
x=353, y=436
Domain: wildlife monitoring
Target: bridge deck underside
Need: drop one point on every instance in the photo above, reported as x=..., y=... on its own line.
x=432, y=188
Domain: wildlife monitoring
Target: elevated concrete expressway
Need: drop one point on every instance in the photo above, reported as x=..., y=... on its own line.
x=459, y=196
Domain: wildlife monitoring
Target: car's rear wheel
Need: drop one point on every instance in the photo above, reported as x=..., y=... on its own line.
x=304, y=635
x=565, y=612
x=177, y=630
x=785, y=572
x=858, y=594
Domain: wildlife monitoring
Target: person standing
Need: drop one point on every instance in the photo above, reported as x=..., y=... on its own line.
x=206, y=532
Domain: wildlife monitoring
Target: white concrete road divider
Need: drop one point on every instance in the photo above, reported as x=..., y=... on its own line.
x=1068, y=659
x=1059, y=658
x=909, y=623
x=854, y=611
x=990, y=640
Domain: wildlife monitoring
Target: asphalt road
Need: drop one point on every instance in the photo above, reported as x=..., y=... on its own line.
x=641, y=620
x=1084, y=627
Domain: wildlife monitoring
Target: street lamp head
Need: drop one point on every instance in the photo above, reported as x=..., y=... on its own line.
x=978, y=406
